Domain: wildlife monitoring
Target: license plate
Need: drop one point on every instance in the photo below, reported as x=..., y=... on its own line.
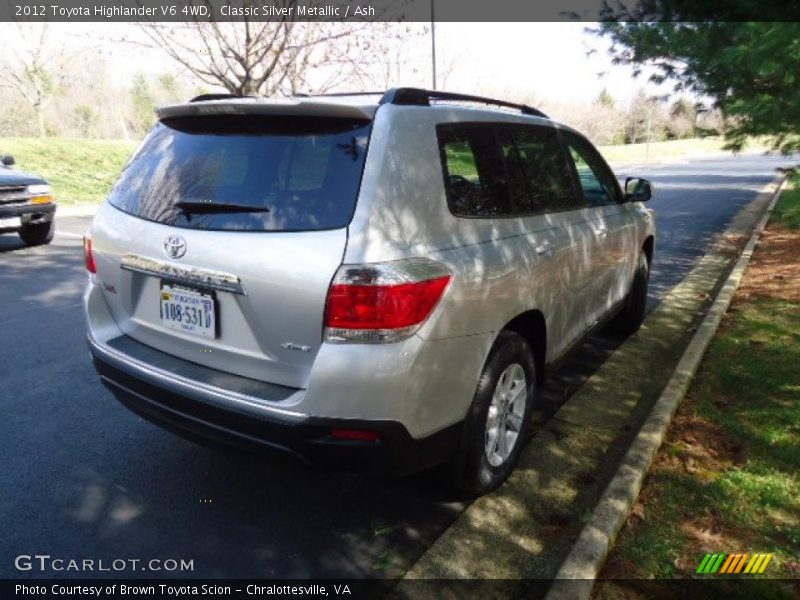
x=190, y=311
x=10, y=222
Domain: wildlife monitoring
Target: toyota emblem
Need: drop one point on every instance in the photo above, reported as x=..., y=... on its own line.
x=174, y=246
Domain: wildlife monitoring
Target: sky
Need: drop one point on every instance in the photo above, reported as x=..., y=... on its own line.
x=549, y=62
x=545, y=60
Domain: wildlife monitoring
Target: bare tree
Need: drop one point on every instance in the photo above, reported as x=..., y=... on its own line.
x=34, y=70
x=405, y=59
x=646, y=119
x=272, y=57
x=682, y=119
x=600, y=120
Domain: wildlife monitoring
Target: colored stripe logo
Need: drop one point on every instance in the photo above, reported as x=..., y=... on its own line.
x=750, y=563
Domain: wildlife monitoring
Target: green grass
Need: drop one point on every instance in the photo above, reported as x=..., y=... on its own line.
x=667, y=150
x=749, y=385
x=788, y=210
x=745, y=483
x=79, y=170
x=751, y=388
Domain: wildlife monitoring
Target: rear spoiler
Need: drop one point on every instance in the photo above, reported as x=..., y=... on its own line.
x=257, y=106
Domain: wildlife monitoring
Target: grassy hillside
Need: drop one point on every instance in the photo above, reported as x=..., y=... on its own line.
x=79, y=170
x=672, y=149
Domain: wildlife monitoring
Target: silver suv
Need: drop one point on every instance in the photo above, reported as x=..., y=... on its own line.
x=374, y=281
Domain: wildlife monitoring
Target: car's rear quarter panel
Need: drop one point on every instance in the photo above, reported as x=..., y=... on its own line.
x=402, y=212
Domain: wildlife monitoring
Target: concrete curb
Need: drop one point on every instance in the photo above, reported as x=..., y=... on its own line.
x=576, y=575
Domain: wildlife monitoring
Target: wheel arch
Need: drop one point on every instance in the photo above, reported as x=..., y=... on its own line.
x=532, y=326
x=649, y=246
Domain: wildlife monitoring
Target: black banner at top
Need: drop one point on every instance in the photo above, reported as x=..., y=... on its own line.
x=390, y=10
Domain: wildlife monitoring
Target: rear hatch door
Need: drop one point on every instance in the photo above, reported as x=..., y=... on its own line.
x=220, y=239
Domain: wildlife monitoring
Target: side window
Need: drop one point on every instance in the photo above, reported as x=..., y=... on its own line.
x=546, y=169
x=598, y=183
x=475, y=174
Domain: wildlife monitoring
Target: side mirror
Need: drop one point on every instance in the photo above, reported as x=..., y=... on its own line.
x=7, y=160
x=638, y=189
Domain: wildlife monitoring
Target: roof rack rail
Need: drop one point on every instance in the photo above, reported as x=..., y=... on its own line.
x=420, y=97
x=204, y=97
x=335, y=94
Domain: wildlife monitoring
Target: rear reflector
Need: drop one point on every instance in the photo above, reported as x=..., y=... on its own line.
x=88, y=255
x=383, y=302
x=358, y=435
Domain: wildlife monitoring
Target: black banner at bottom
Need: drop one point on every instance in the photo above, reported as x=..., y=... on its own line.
x=731, y=588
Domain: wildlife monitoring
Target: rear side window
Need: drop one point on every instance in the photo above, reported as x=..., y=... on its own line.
x=298, y=174
x=474, y=170
x=501, y=170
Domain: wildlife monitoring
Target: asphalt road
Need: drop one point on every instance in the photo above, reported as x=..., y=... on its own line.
x=84, y=478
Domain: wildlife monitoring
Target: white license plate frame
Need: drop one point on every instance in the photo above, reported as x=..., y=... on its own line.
x=202, y=322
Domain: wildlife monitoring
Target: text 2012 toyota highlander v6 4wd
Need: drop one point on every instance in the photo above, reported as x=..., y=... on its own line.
x=363, y=280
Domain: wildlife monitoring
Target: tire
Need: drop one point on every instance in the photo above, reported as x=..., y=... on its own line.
x=36, y=235
x=506, y=387
x=633, y=313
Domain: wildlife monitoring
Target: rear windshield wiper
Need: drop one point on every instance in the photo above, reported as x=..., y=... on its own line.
x=196, y=207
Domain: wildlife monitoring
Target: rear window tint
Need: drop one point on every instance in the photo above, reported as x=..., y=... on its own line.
x=306, y=172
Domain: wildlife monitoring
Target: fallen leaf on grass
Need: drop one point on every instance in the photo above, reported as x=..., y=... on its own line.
x=638, y=511
x=703, y=534
x=793, y=568
x=688, y=464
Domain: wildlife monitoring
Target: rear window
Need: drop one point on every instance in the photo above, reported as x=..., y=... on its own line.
x=298, y=173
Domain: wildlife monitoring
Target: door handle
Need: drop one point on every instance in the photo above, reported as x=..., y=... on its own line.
x=544, y=250
x=602, y=231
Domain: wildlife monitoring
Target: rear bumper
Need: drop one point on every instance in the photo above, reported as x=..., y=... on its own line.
x=30, y=214
x=199, y=411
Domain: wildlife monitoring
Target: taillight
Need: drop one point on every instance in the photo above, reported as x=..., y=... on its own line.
x=383, y=302
x=88, y=255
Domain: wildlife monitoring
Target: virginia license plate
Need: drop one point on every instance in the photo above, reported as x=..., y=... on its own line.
x=190, y=311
